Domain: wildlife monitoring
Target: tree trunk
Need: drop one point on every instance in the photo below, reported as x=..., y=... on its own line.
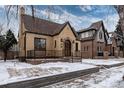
x=5, y=56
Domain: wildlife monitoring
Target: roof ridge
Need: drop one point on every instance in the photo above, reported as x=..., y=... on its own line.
x=100, y=21
x=42, y=19
x=91, y=26
x=41, y=25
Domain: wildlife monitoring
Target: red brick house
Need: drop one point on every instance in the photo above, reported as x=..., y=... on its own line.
x=114, y=47
x=93, y=40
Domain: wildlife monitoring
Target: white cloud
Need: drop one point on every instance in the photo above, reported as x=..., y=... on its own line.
x=2, y=6
x=64, y=17
x=80, y=22
x=85, y=7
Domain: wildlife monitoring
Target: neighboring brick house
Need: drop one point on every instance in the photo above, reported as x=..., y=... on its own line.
x=93, y=40
x=117, y=43
x=11, y=54
x=112, y=44
x=43, y=38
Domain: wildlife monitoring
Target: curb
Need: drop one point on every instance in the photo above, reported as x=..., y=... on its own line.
x=109, y=66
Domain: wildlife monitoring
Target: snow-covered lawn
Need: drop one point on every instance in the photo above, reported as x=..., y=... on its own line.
x=12, y=70
x=107, y=78
x=103, y=61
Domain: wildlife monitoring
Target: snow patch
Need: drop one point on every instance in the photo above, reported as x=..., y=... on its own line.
x=13, y=70
x=103, y=61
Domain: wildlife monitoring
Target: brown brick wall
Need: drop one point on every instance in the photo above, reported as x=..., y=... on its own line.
x=92, y=51
x=86, y=53
x=100, y=45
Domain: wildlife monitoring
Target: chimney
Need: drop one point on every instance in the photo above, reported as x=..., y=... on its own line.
x=21, y=27
x=22, y=10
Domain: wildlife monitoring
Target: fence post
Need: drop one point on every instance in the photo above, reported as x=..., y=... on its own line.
x=72, y=57
x=81, y=56
x=34, y=54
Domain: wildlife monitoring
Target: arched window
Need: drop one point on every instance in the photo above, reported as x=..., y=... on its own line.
x=55, y=44
x=100, y=35
x=76, y=47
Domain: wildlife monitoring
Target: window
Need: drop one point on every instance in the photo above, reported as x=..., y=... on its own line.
x=100, y=35
x=87, y=48
x=86, y=34
x=89, y=33
x=39, y=44
x=98, y=48
x=82, y=35
x=55, y=44
x=84, y=48
x=76, y=46
x=99, y=51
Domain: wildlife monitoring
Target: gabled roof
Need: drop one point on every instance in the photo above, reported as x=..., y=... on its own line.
x=94, y=26
x=44, y=27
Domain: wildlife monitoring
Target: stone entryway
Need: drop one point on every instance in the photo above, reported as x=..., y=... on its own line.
x=67, y=49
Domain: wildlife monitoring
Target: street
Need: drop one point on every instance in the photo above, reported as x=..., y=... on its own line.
x=106, y=78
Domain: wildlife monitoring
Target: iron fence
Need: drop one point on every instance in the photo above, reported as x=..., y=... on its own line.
x=10, y=55
x=51, y=54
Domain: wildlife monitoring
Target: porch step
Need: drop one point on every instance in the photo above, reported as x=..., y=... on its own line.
x=75, y=60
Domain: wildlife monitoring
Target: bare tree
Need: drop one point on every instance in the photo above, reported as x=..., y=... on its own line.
x=120, y=27
x=1, y=28
x=120, y=11
x=14, y=10
x=49, y=12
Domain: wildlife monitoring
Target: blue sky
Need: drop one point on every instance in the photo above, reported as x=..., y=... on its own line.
x=79, y=16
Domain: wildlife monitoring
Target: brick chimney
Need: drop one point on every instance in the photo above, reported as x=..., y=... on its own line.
x=21, y=30
x=22, y=10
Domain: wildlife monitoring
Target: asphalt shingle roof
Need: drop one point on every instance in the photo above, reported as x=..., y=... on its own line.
x=41, y=26
x=94, y=26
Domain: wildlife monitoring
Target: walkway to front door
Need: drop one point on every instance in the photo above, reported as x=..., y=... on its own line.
x=67, y=49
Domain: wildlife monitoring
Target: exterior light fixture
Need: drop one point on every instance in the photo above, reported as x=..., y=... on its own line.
x=61, y=40
x=73, y=41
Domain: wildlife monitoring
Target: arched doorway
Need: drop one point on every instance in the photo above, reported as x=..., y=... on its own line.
x=67, y=49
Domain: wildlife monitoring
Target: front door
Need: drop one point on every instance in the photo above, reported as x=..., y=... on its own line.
x=67, y=48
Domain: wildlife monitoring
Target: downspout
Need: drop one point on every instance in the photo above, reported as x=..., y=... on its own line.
x=123, y=52
x=92, y=49
x=25, y=45
x=81, y=48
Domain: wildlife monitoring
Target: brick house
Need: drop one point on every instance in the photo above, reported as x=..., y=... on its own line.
x=112, y=44
x=11, y=54
x=117, y=44
x=93, y=40
x=43, y=38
